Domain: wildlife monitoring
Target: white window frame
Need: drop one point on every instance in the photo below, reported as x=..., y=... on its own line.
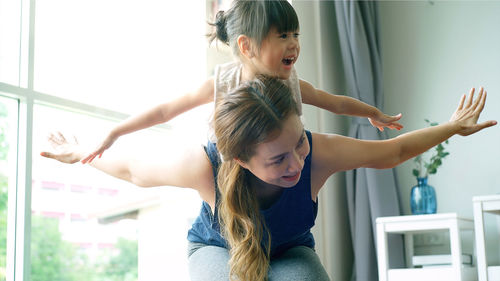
x=19, y=202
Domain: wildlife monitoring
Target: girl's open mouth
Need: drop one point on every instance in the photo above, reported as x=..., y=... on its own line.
x=288, y=61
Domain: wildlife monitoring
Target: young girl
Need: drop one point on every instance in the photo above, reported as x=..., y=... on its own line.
x=260, y=184
x=263, y=35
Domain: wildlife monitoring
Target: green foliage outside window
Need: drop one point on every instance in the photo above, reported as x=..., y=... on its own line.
x=4, y=148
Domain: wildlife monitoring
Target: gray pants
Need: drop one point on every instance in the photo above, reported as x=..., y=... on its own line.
x=210, y=263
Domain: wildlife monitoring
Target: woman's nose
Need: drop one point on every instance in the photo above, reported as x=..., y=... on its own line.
x=296, y=163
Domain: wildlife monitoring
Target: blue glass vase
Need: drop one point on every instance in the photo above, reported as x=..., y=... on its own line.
x=423, y=198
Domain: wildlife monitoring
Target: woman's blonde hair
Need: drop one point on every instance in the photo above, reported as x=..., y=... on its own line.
x=250, y=115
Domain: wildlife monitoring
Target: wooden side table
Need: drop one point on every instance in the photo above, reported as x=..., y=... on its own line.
x=481, y=205
x=410, y=225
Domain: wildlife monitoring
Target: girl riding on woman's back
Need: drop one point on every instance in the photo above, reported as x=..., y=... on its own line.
x=263, y=35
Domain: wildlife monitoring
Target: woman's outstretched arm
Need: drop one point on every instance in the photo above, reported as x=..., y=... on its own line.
x=342, y=153
x=188, y=169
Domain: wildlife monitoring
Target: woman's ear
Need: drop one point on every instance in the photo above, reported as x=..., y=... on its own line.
x=241, y=163
x=245, y=46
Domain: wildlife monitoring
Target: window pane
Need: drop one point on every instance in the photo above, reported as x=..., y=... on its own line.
x=10, y=30
x=123, y=55
x=8, y=147
x=90, y=226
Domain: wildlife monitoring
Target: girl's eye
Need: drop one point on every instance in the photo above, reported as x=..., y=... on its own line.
x=296, y=35
x=283, y=36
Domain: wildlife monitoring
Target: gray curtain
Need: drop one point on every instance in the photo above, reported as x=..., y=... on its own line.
x=370, y=193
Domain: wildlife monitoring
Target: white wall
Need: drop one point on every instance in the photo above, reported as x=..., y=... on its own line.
x=319, y=64
x=432, y=53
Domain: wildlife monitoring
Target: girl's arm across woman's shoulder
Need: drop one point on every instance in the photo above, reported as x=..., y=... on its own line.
x=332, y=153
x=344, y=105
x=181, y=167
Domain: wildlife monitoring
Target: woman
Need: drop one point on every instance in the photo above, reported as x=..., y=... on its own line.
x=260, y=184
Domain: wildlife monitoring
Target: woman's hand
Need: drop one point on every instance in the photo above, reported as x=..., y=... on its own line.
x=64, y=150
x=467, y=114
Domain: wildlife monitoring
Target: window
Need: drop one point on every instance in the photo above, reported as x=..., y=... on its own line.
x=90, y=224
x=10, y=36
x=121, y=55
x=8, y=143
x=80, y=67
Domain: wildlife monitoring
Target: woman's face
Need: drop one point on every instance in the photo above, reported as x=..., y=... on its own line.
x=280, y=161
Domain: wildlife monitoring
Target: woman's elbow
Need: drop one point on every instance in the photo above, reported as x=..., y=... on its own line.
x=389, y=162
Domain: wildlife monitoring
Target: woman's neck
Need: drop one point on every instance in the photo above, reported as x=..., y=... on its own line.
x=267, y=194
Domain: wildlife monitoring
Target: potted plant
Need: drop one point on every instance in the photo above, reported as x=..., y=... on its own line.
x=423, y=196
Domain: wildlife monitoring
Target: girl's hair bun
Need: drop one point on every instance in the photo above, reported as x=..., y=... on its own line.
x=220, y=27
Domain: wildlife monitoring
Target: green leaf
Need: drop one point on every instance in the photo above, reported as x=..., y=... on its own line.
x=416, y=173
x=432, y=171
x=443, y=154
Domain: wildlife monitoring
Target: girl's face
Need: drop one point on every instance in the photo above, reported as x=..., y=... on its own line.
x=278, y=53
x=280, y=161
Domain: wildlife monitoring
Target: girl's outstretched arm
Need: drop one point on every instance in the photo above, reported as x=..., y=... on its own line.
x=348, y=153
x=345, y=105
x=154, y=116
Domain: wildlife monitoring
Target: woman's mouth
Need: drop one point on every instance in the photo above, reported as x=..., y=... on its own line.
x=292, y=177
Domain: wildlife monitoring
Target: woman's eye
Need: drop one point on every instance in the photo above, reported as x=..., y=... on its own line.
x=279, y=161
x=301, y=142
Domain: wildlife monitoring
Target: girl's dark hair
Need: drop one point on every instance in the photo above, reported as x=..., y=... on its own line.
x=253, y=18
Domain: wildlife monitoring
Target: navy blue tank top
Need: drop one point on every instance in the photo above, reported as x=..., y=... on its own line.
x=289, y=219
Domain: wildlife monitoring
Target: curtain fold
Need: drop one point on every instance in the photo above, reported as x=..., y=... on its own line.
x=370, y=193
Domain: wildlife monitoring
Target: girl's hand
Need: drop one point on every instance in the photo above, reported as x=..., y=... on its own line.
x=99, y=150
x=64, y=150
x=467, y=114
x=382, y=120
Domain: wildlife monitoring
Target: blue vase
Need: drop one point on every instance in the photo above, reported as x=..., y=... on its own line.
x=423, y=198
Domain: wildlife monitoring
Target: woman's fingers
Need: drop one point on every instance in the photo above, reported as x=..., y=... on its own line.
x=482, y=101
x=471, y=98
x=478, y=127
x=461, y=103
x=478, y=99
x=47, y=154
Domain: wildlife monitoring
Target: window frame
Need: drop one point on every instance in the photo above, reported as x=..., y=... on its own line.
x=19, y=203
